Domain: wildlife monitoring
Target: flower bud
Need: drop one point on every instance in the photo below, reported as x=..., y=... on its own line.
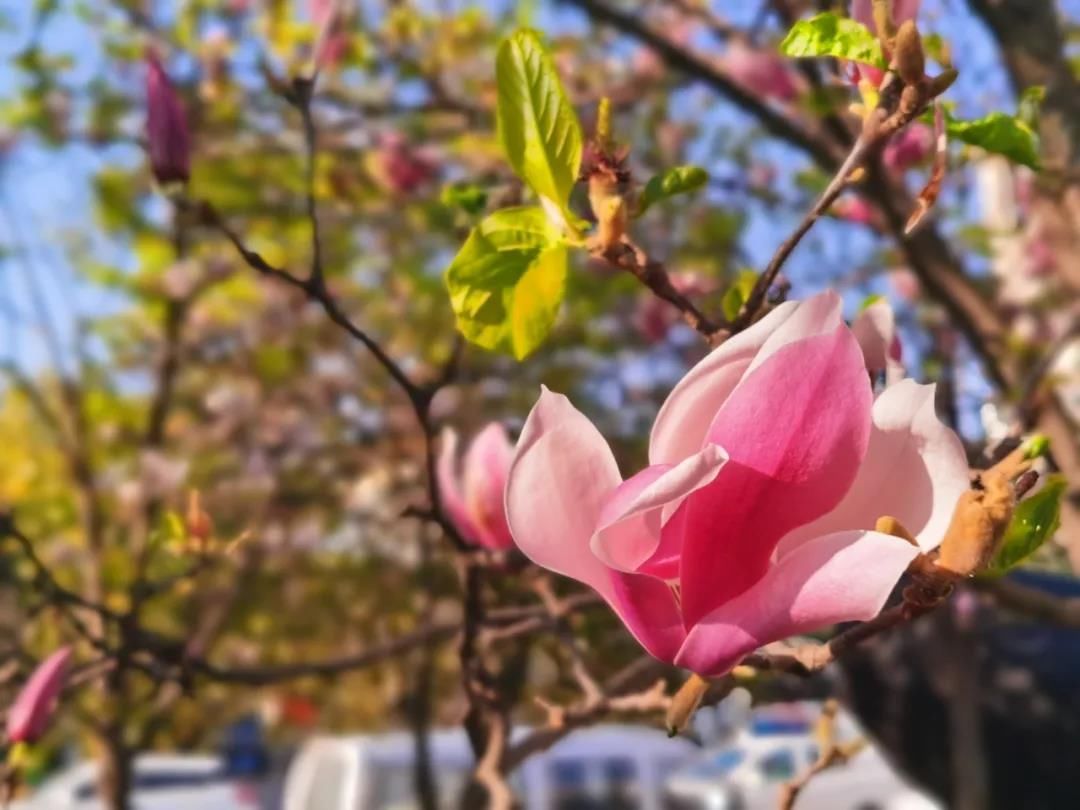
x=909, y=57
x=29, y=716
x=167, y=134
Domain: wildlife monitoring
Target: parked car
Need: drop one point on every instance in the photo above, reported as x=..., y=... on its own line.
x=161, y=782
x=749, y=772
x=609, y=767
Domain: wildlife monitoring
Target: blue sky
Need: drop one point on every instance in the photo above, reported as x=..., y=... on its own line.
x=45, y=194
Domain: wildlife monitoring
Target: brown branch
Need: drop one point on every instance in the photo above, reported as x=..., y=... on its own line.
x=261, y=675
x=623, y=693
x=832, y=754
x=1032, y=602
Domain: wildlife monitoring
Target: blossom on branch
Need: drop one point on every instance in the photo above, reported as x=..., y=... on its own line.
x=167, y=136
x=770, y=464
x=473, y=499
x=29, y=716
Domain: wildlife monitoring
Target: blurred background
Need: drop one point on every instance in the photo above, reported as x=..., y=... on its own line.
x=153, y=381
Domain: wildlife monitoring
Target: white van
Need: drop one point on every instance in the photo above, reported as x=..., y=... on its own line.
x=160, y=782
x=749, y=772
x=610, y=767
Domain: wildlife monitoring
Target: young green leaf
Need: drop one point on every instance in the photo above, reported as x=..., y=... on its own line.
x=1031, y=105
x=828, y=34
x=1001, y=134
x=538, y=128
x=468, y=197
x=508, y=280
x=1034, y=522
x=678, y=180
x=736, y=294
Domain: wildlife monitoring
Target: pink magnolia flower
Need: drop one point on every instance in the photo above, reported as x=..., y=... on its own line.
x=911, y=146
x=856, y=209
x=332, y=41
x=29, y=716
x=399, y=168
x=770, y=463
x=474, y=500
x=166, y=126
x=761, y=72
x=863, y=11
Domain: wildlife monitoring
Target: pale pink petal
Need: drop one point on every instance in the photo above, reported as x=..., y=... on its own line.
x=761, y=71
x=28, y=718
x=915, y=471
x=450, y=494
x=796, y=431
x=875, y=329
x=562, y=474
x=628, y=530
x=684, y=419
x=820, y=314
x=486, y=464
x=840, y=577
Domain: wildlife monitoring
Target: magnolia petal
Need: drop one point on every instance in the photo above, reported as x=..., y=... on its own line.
x=29, y=716
x=486, y=464
x=628, y=530
x=450, y=494
x=796, y=431
x=684, y=419
x=915, y=470
x=839, y=577
x=875, y=329
x=561, y=475
x=821, y=314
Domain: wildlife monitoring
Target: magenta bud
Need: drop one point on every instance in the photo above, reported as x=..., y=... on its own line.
x=167, y=134
x=29, y=716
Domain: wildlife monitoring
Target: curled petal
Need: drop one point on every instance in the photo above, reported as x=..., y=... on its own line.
x=796, y=430
x=628, y=530
x=561, y=475
x=450, y=494
x=29, y=716
x=834, y=578
x=875, y=329
x=486, y=464
x=915, y=470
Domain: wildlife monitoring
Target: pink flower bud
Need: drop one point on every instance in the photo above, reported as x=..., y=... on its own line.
x=166, y=126
x=910, y=147
x=29, y=716
x=399, y=168
x=857, y=210
x=761, y=72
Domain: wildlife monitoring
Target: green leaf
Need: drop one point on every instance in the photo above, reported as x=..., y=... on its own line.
x=828, y=34
x=468, y=197
x=1001, y=134
x=508, y=280
x=735, y=295
x=538, y=128
x=678, y=180
x=1034, y=522
x=1030, y=105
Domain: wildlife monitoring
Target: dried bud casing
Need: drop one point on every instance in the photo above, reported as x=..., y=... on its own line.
x=982, y=515
x=610, y=209
x=685, y=702
x=197, y=522
x=909, y=57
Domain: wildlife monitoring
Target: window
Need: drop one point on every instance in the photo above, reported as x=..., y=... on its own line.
x=778, y=766
x=720, y=764
x=622, y=786
x=147, y=780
